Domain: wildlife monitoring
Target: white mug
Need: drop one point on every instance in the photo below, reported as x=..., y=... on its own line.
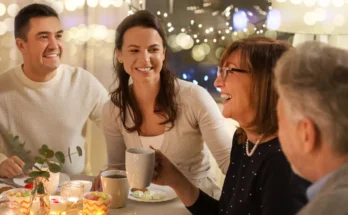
x=140, y=163
x=114, y=183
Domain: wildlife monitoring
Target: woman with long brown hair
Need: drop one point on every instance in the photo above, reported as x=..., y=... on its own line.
x=158, y=109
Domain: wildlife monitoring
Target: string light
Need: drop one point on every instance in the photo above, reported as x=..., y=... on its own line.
x=201, y=35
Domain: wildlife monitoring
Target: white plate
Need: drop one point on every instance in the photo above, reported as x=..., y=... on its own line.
x=62, y=178
x=166, y=190
x=4, y=185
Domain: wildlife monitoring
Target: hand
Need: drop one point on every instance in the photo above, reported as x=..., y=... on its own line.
x=166, y=173
x=11, y=167
x=97, y=184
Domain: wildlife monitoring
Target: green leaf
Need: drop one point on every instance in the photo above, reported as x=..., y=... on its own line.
x=45, y=174
x=34, y=174
x=54, y=167
x=79, y=150
x=39, y=160
x=43, y=150
x=27, y=166
x=49, y=153
x=29, y=180
x=60, y=157
x=40, y=188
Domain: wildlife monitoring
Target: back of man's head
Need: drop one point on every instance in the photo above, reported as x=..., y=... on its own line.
x=312, y=80
x=22, y=19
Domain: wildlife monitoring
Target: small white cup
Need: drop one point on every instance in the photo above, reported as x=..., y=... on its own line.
x=114, y=183
x=140, y=164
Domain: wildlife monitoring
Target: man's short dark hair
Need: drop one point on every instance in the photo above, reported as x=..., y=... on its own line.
x=23, y=17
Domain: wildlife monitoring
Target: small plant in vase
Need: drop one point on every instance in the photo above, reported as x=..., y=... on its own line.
x=47, y=161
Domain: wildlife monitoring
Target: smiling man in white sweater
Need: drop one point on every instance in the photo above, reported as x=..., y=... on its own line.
x=43, y=101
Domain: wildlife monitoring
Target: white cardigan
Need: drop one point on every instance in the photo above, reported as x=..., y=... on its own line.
x=199, y=120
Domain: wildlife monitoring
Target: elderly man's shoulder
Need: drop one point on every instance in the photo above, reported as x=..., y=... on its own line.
x=334, y=202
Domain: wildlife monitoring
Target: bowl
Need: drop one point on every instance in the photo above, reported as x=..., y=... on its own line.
x=21, y=196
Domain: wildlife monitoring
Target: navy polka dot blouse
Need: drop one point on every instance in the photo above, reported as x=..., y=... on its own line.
x=262, y=184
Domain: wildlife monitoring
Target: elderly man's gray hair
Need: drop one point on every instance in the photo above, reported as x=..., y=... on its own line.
x=312, y=80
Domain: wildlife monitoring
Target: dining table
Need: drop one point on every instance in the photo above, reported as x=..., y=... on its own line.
x=171, y=207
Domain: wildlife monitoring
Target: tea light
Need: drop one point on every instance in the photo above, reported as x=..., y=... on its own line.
x=58, y=204
x=9, y=208
x=73, y=199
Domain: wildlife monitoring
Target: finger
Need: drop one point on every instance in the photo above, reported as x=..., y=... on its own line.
x=18, y=161
x=6, y=173
x=17, y=170
x=95, y=185
x=10, y=172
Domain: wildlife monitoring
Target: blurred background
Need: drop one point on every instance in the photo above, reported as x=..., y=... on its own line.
x=198, y=32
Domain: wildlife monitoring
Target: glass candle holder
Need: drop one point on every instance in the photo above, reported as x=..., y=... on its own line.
x=10, y=208
x=73, y=191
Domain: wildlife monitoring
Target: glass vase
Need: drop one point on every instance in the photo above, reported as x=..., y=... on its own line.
x=40, y=202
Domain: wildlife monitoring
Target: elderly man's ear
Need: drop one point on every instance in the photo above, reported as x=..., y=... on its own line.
x=308, y=135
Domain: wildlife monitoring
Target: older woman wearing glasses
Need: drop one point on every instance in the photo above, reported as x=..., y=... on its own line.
x=259, y=179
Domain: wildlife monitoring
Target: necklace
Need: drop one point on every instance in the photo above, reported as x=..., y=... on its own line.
x=250, y=153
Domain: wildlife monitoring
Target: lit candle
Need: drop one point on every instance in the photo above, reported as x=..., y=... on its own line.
x=73, y=199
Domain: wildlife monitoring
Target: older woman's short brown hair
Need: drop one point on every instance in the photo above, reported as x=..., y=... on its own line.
x=259, y=56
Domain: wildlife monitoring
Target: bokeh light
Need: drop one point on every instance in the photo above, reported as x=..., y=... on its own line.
x=274, y=19
x=13, y=9
x=58, y=6
x=92, y=3
x=309, y=3
x=70, y=5
x=2, y=9
x=3, y=28
x=240, y=20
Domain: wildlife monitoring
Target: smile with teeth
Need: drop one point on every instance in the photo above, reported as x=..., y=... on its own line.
x=51, y=55
x=144, y=69
x=226, y=97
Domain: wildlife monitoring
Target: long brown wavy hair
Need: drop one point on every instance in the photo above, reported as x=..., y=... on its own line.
x=123, y=97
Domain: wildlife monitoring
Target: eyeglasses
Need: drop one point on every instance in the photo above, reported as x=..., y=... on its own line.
x=223, y=71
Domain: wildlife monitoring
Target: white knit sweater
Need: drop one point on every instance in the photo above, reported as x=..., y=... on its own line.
x=53, y=112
